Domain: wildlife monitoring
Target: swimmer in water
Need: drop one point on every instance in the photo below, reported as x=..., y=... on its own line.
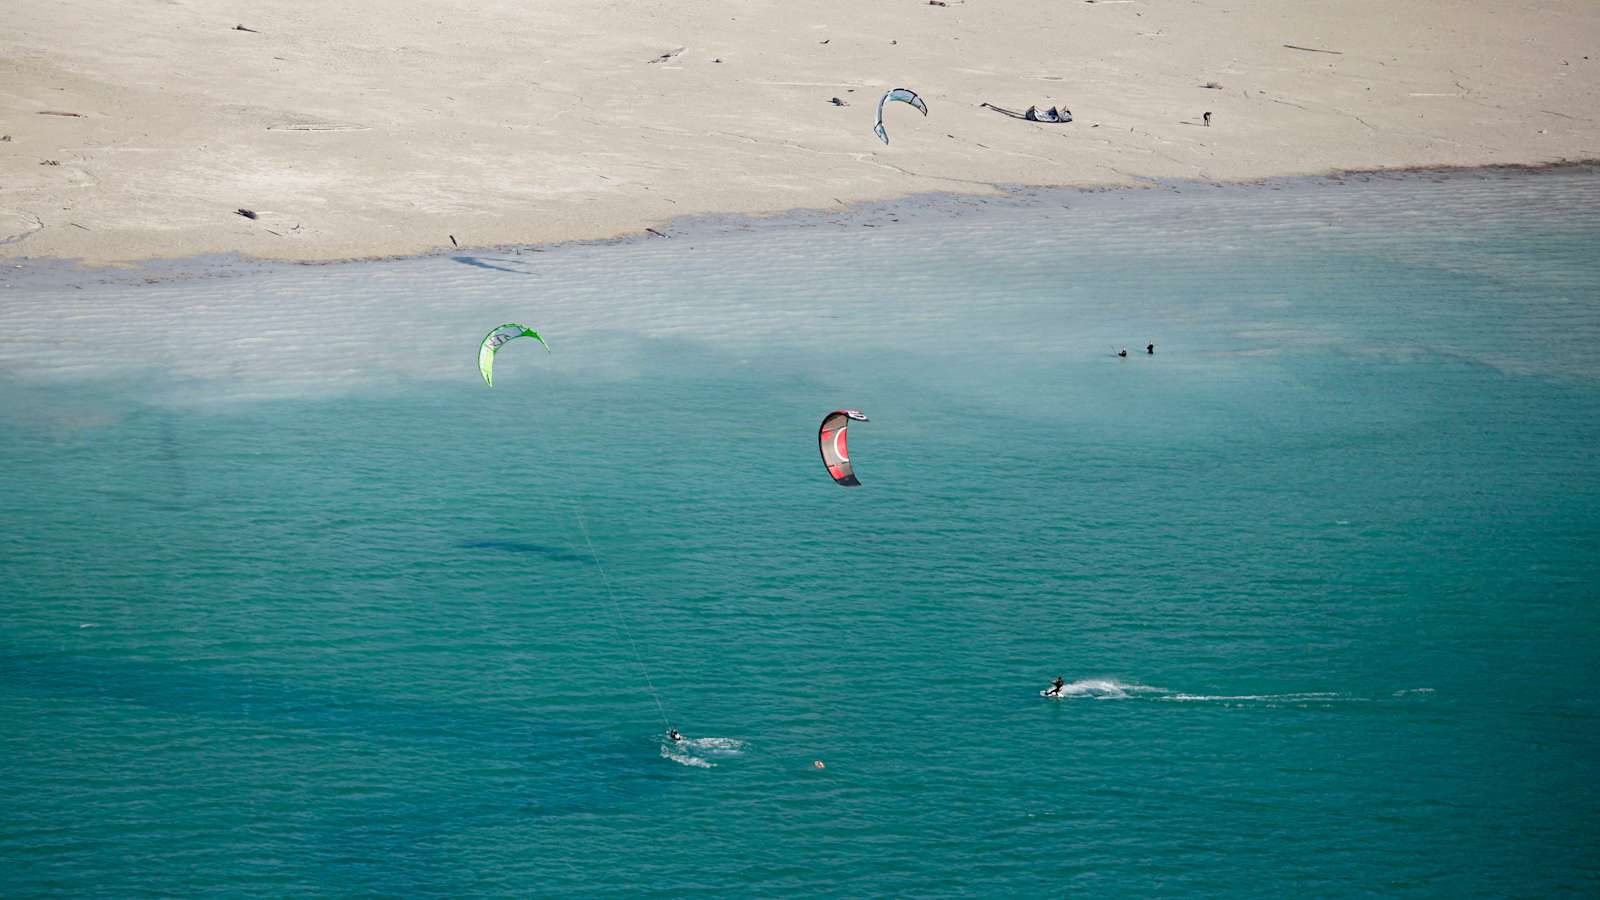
x=1150, y=348
x=1123, y=353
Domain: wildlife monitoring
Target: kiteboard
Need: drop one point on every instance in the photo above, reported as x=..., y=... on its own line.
x=1051, y=693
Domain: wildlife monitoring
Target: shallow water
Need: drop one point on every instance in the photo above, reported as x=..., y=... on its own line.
x=294, y=603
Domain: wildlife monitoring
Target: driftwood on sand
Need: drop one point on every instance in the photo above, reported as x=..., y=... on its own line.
x=1032, y=114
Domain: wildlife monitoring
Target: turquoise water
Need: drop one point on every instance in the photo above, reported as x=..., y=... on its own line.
x=294, y=604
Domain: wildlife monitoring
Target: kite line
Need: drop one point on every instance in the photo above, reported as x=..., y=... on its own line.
x=491, y=344
x=621, y=617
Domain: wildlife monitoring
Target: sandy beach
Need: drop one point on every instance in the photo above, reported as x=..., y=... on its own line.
x=131, y=132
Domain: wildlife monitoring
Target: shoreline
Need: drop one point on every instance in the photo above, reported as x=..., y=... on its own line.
x=388, y=130
x=1232, y=261
x=998, y=192
x=692, y=226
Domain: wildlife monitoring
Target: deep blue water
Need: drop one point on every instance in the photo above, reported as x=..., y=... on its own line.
x=290, y=602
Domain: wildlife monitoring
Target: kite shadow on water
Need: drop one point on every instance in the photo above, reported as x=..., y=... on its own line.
x=559, y=767
x=488, y=262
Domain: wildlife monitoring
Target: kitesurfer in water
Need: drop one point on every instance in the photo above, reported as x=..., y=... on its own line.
x=673, y=735
x=1123, y=353
x=1150, y=348
x=1057, y=685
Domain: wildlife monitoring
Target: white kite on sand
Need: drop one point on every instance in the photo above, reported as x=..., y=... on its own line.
x=904, y=95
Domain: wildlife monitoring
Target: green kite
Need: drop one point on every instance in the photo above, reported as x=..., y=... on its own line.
x=499, y=338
